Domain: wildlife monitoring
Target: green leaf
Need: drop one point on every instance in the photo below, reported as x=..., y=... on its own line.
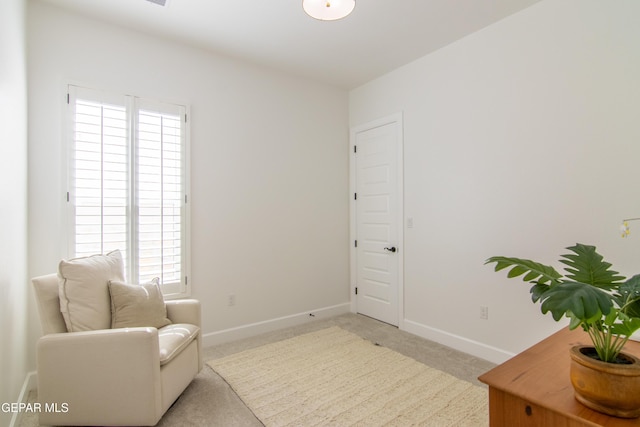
x=627, y=327
x=583, y=301
x=611, y=318
x=628, y=297
x=535, y=271
x=588, y=266
x=537, y=291
x=574, y=321
x=532, y=275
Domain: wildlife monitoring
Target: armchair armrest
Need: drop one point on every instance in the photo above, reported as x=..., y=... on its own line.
x=86, y=369
x=187, y=311
x=184, y=311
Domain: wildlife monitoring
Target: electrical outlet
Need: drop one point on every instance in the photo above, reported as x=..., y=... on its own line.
x=484, y=312
x=231, y=300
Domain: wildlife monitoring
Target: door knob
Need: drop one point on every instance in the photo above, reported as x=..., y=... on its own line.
x=391, y=249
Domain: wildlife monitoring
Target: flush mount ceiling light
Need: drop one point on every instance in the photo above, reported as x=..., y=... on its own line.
x=328, y=10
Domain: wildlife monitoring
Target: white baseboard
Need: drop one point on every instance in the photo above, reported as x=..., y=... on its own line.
x=475, y=348
x=252, y=329
x=30, y=383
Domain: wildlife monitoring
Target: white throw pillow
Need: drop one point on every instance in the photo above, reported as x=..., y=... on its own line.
x=84, y=290
x=137, y=305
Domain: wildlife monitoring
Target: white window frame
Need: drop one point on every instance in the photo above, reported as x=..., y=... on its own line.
x=133, y=105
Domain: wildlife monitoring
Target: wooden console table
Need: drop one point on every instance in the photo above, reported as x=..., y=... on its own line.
x=534, y=389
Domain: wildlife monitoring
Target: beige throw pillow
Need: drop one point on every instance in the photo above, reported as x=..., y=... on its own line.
x=83, y=290
x=137, y=305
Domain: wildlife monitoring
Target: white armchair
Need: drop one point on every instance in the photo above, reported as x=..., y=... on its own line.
x=113, y=377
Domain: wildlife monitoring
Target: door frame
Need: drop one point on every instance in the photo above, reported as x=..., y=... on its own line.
x=393, y=118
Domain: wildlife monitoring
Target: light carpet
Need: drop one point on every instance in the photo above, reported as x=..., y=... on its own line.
x=333, y=377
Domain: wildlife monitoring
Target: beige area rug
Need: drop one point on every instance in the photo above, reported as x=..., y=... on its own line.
x=335, y=378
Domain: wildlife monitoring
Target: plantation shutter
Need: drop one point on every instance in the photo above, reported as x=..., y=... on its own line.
x=99, y=172
x=160, y=191
x=128, y=181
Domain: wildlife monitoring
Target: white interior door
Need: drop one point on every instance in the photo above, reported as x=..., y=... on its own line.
x=377, y=203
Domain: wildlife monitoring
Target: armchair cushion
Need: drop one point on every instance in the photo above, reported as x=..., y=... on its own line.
x=174, y=338
x=137, y=305
x=83, y=289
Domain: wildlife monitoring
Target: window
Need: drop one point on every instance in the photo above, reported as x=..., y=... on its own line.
x=128, y=184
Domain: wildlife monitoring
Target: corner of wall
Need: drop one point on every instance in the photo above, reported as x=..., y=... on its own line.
x=30, y=384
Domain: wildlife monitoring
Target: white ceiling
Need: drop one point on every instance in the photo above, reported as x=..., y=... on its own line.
x=379, y=36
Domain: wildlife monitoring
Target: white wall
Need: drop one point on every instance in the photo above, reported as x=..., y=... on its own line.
x=269, y=164
x=521, y=139
x=13, y=202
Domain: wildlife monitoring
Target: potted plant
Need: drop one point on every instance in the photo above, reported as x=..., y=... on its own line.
x=606, y=306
